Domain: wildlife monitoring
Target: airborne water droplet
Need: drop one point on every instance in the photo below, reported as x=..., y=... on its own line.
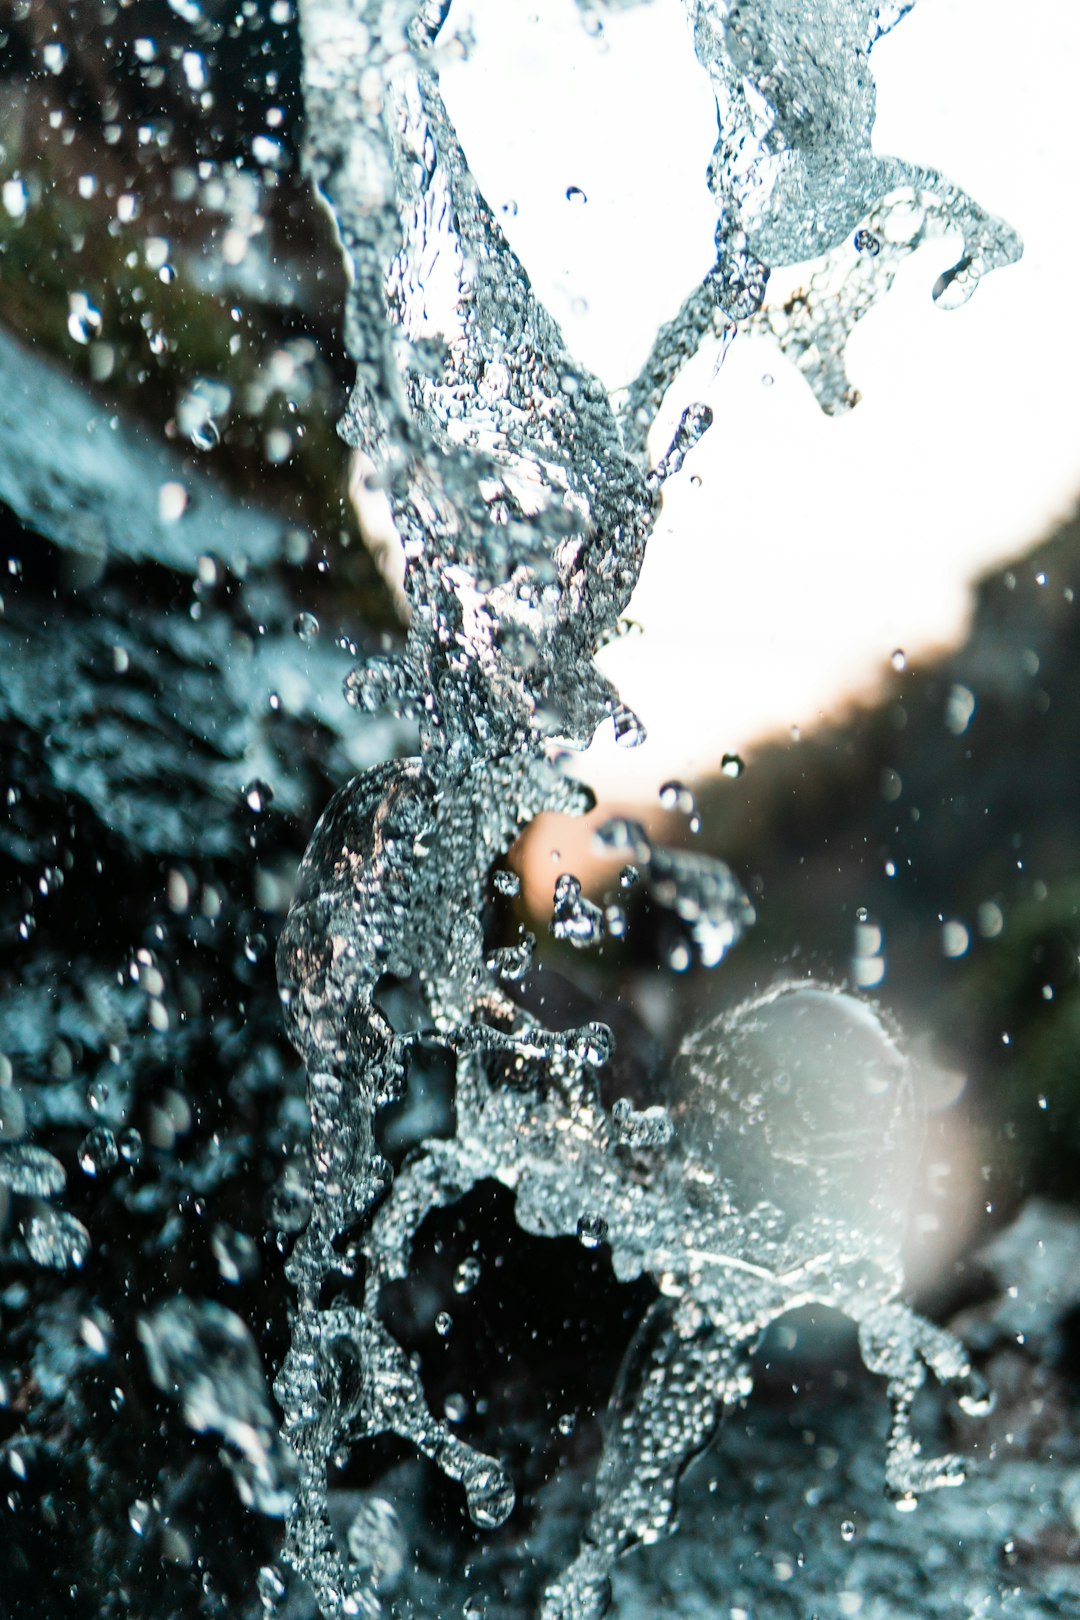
x=31, y=1171
x=99, y=1152
x=732, y=765
x=205, y=435
x=629, y=730
x=258, y=796
x=377, y=1544
x=467, y=1276
x=591, y=1230
x=489, y=1492
x=57, y=1240
x=84, y=321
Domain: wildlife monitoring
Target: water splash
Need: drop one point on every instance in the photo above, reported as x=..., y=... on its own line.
x=524, y=500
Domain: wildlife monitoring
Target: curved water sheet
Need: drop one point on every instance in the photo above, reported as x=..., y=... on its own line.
x=524, y=498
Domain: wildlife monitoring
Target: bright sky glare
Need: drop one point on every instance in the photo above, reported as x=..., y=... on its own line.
x=778, y=586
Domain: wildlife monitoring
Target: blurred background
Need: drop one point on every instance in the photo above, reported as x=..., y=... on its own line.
x=857, y=661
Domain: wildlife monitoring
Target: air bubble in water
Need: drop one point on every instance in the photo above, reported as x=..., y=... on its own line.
x=574, y=194
x=732, y=765
x=306, y=626
x=444, y=1323
x=847, y=1531
x=866, y=242
x=506, y=883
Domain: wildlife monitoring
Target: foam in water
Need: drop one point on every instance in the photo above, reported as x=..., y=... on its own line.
x=524, y=500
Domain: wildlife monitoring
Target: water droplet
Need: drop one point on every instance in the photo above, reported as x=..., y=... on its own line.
x=591, y=1230
x=258, y=796
x=31, y=1171
x=899, y=660
x=172, y=501
x=99, y=1152
x=732, y=765
x=57, y=1240
x=675, y=796
x=139, y=1516
x=130, y=1144
x=306, y=626
x=236, y=1254
x=456, y=1407
x=270, y=1587
x=84, y=321
x=205, y=435
x=575, y=195
x=489, y=1492
x=629, y=730
x=955, y=938
x=376, y=1543
x=467, y=1275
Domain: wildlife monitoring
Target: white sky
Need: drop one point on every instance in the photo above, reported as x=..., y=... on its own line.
x=813, y=547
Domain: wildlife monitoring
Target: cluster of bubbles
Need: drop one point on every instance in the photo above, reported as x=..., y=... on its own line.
x=524, y=500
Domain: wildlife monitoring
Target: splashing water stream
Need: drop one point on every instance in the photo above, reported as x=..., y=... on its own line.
x=524, y=497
